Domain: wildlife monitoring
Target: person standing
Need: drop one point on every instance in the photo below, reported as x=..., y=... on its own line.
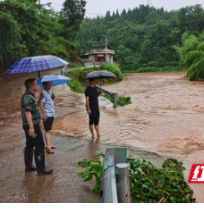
x=31, y=117
x=48, y=114
x=92, y=106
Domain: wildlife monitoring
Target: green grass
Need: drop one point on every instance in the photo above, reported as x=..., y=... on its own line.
x=76, y=86
x=122, y=101
x=74, y=65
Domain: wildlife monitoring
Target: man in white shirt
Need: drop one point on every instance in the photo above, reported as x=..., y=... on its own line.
x=48, y=114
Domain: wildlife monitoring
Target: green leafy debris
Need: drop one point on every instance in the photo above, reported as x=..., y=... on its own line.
x=148, y=183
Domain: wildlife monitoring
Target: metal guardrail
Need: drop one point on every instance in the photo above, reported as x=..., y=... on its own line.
x=115, y=187
x=64, y=71
x=114, y=96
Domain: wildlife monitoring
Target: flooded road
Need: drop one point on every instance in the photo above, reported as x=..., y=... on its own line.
x=166, y=115
x=165, y=119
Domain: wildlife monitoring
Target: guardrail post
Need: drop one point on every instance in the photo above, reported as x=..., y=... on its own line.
x=109, y=189
x=115, y=185
x=115, y=99
x=123, y=182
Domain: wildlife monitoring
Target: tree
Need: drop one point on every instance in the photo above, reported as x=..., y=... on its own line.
x=195, y=61
x=9, y=36
x=72, y=14
x=189, y=43
x=108, y=17
x=191, y=18
x=28, y=28
x=152, y=18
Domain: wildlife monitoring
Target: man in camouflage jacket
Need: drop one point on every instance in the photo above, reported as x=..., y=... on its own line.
x=31, y=117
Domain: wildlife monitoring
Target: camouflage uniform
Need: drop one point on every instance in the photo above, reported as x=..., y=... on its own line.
x=29, y=104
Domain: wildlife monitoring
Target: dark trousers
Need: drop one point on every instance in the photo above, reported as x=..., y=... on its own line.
x=94, y=117
x=36, y=142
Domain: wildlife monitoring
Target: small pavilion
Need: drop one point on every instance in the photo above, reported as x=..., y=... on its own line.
x=98, y=53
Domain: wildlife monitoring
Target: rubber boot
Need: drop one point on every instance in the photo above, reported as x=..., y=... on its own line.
x=28, y=159
x=40, y=162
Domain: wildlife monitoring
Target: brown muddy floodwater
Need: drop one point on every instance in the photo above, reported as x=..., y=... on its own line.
x=166, y=115
x=165, y=119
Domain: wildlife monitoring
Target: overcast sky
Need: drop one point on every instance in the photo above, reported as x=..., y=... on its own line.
x=100, y=7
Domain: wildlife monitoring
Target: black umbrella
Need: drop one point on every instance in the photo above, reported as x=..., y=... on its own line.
x=100, y=74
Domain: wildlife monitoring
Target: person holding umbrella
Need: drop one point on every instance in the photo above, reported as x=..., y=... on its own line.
x=92, y=95
x=47, y=104
x=92, y=107
x=48, y=114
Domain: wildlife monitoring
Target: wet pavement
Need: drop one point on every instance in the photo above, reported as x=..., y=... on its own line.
x=64, y=185
x=164, y=120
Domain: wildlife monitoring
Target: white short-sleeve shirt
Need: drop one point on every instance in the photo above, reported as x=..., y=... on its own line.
x=48, y=104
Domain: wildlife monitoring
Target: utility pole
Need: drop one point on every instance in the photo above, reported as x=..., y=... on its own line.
x=149, y=2
x=106, y=40
x=106, y=45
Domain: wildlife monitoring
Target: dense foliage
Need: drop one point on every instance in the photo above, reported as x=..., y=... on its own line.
x=144, y=37
x=191, y=54
x=73, y=13
x=148, y=183
x=29, y=29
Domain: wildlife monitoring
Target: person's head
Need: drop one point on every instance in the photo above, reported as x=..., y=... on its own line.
x=93, y=82
x=47, y=86
x=31, y=85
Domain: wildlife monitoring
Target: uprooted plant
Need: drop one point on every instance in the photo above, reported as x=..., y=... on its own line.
x=148, y=183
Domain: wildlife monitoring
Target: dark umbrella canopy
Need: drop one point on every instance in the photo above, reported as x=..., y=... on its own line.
x=100, y=74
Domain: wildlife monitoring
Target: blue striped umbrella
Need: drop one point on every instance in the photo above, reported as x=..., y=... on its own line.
x=55, y=79
x=36, y=63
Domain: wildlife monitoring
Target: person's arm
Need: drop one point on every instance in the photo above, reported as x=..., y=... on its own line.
x=88, y=105
x=53, y=96
x=100, y=92
x=30, y=123
x=42, y=108
x=41, y=105
x=42, y=95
